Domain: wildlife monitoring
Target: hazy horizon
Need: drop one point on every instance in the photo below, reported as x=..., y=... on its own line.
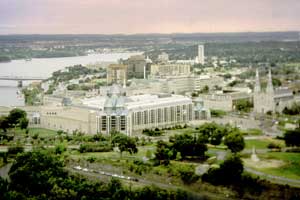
x=147, y=17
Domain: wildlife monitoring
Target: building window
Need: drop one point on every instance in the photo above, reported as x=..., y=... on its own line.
x=103, y=123
x=178, y=113
x=159, y=116
x=139, y=118
x=123, y=123
x=172, y=114
x=113, y=123
x=166, y=114
x=190, y=112
x=152, y=116
x=146, y=117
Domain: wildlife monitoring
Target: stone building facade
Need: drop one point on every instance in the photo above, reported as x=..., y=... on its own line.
x=270, y=100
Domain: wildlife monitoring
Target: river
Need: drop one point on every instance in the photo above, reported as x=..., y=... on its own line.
x=43, y=67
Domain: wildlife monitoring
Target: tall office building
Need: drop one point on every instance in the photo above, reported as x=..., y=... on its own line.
x=116, y=74
x=201, y=54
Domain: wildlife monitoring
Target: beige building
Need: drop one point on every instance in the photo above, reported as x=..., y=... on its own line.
x=161, y=70
x=69, y=119
x=137, y=67
x=116, y=73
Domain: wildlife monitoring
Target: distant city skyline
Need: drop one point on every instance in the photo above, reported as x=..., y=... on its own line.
x=145, y=16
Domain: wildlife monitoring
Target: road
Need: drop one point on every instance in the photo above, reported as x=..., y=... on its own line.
x=4, y=148
x=272, y=178
x=200, y=195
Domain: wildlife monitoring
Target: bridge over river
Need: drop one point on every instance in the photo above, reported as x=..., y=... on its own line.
x=20, y=79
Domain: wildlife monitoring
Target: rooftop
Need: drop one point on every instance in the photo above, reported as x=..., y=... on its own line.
x=140, y=101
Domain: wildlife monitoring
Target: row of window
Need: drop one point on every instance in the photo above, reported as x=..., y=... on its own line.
x=117, y=123
x=161, y=115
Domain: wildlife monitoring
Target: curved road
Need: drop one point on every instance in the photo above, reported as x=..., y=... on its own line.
x=272, y=178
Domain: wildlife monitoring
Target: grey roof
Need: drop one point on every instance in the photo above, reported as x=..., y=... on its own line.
x=283, y=92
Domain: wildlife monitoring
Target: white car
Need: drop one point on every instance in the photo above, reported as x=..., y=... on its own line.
x=85, y=170
x=77, y=167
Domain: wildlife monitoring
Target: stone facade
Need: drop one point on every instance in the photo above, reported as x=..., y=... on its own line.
x=270, y=100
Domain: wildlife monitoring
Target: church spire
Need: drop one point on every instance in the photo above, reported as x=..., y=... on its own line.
x=270, y=88
x=257, y=83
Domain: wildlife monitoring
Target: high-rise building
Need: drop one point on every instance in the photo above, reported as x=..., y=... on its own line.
x=201, y=54
x=116, y=74
x=136, y=66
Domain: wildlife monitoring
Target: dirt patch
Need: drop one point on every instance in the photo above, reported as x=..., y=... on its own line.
x=263, y=163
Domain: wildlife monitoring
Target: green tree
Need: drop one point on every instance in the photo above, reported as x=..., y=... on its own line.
x=235, y=141
x=216, y=137
x=15, y=115
x=4, y=123
x=32, y=173
x=243, y=105
x=229, y=172
x=213, y=133
x=292, y=137
x=124, y=143
x=189, y=145
x=24, y=123
x=162, y=153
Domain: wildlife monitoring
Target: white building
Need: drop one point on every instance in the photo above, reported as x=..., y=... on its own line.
x=201, y=54
x=135, y=113
x=163, y=57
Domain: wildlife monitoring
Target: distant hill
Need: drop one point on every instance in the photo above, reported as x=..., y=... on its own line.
x=175, y=37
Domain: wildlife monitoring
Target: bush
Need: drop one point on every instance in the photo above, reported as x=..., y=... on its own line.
x=35, y=136
x=60, y=148
x=91, y=147
x=139, y=167
x=230, y=172
x=91, y=159
x=294, y=150
x=187, y=174
x=274, y=145
x=217, y=113
x=15, y=149
x=150, y=132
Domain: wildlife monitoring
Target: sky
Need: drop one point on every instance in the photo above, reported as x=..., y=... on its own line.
x=147, y=16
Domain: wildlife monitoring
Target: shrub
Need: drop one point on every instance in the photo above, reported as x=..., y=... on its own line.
x=99, y=147
x=15, y=149
x=274, y=145
x=187, y=174
x=35, y=136
x=155, y=132
x=217, y=113
x=91, y=159
x=60, y=148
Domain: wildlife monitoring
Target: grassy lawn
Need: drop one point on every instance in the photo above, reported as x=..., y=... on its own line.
x=40, y=131
x=290, y=168
x=252, y=132
x=179, y=131
x=262, y=143
x=142, y=151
